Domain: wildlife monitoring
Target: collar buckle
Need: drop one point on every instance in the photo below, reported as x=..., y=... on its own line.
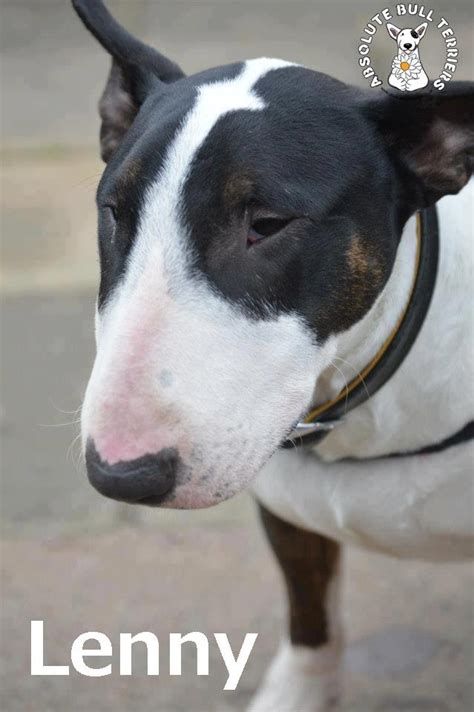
x=302, y=429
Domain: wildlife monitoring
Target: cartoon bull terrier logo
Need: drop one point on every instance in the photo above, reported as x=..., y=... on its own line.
x=407, y=71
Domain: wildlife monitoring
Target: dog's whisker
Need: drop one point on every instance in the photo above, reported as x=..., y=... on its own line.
x=87, y=182
x=70, y=452
x=346, y=385
x=74, y=421
x=356, y=373
x=58, y=425
x=76, y=411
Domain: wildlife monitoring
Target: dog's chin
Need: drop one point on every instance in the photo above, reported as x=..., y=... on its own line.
x=193, y=498
x=202, y=490
x=198, y=487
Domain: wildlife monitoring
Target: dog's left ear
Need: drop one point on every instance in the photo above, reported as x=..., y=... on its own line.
x=137, y=71
x=430, y=138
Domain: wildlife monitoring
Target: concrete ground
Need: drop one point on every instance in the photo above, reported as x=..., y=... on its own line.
x=79, y=562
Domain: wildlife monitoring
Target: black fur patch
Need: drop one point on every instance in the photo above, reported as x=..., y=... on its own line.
x=310, y=158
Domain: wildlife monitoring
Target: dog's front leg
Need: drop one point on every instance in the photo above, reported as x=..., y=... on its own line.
x=303, y=677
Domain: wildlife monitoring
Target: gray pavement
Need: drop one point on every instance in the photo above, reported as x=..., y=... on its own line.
x=80, y=562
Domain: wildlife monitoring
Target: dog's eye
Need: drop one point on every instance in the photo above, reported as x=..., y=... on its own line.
x=263, y=227
x=414, y=34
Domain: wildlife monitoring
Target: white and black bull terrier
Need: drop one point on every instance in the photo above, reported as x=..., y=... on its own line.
x=407, y=70
x=258, y=247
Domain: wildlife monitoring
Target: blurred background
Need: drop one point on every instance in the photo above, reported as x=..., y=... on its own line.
x=82, y=563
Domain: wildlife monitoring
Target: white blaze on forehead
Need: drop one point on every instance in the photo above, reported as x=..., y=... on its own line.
x=160, y=219
x=177, y=364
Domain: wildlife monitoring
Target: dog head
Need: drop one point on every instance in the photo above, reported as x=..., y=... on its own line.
x=407, y=39
x=248, y=216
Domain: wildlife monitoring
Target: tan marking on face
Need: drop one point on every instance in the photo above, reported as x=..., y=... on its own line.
x=236, y=189
x=129, y=175
x=362, y=263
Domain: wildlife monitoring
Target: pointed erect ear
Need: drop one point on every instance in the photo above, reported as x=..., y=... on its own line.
x=430, y=138
x=136, y=71
x=421, y=29
x=118, y=107
x=393, y=31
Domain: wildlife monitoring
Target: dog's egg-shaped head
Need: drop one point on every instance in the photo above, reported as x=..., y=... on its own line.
x=248, y=215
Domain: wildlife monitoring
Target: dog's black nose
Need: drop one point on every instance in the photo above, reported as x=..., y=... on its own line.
x=407, y=45
x=145, y=480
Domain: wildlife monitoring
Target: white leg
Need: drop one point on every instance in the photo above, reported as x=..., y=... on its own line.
x=300, y=679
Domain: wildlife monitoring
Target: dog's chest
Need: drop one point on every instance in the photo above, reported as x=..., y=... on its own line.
x=411, y=507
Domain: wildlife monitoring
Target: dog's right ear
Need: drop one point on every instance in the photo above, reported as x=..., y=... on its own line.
x=393, y=31
x=429, y=138
x=136, y=71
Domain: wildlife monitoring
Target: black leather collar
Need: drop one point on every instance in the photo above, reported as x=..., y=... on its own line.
x=323, y=419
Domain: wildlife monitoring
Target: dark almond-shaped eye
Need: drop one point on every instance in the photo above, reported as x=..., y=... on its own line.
x=414, y=34
x=263, y=227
